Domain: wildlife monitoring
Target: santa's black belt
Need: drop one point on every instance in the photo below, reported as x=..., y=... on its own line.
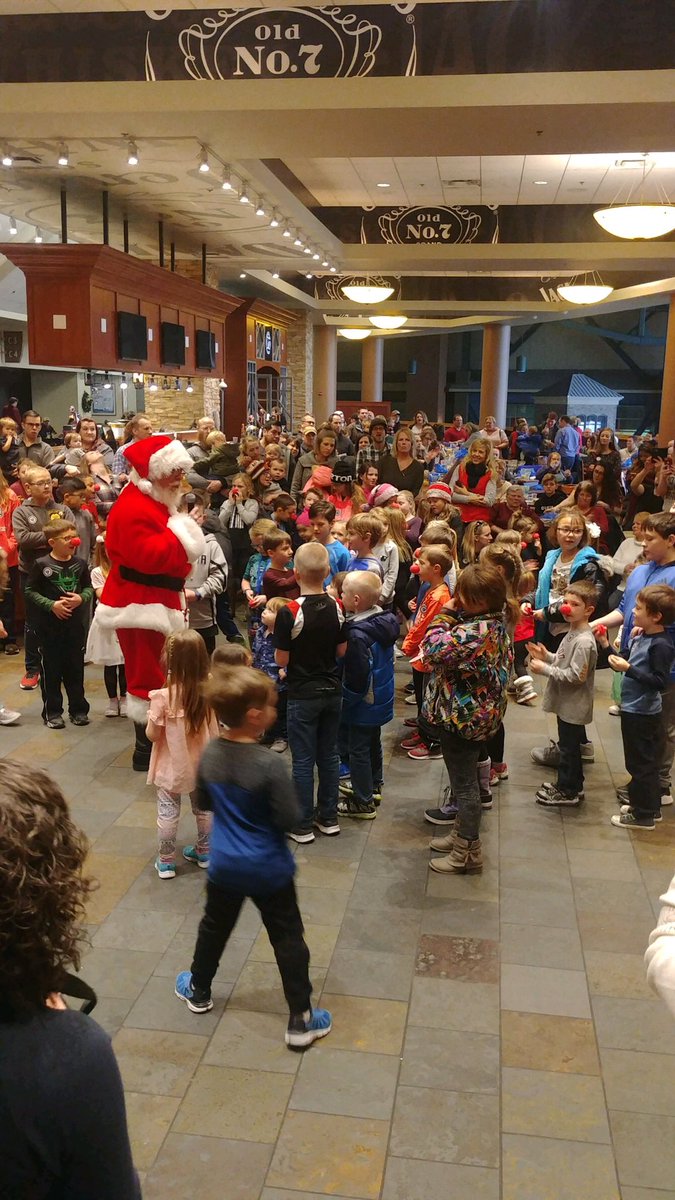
x=169, y=582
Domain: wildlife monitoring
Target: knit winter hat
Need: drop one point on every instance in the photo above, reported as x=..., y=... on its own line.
x=256, y=469
x=439, y=491
x=155, y=457
x=382, y=495
x=343, y=471
x=321, y=477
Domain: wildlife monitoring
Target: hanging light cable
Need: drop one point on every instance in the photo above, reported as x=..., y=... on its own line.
x=640, y=220
x=132, y=153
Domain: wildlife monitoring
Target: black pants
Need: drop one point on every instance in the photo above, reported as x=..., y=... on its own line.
x=111, y=677
x=427, y=732
x=30, y=637
x=570, y=772
x=365, y=761
x=282, y=920
x=208, y=636
x=520, y=659
x=280, y=727
x=62, y=653
x=643, y=742
x=7, y=607
x=495, y=745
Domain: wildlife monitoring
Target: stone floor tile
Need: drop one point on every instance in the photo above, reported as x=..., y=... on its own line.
x=370, y=973
x=531, y=873
x=322, y=906
x=224, y=1101
x=541, y=946
x=372, y=892
x=253, y=1041
x=469, y=959
x=90, y=821
x=459, y=1127
x=639, y=1082
x=128, y=929
x=341, y=1156
x=117, y=839
x=113, y=875
x=284, y=1194
x=394, y=864
x=110, y=1012
x=463, y=918
x=178, y=957
x=411, y=1179
x=631, y=1193
x=483, y=887
x=545, y=990
x=551, y=845
x=450, y=1060
x=188, y=1165
x=554, y=1104
x=121, y=973
x=387, y=930
x=535, y=1168
x=365, y=1024
x=177, y=895
x=325, y=872
x=157, y=1062
x=604, y=864
x=158, y=1007
x=140, y=814
x=321, y=940
x=536, y=906
x=539, y=1042
x=612, y=895
x=449, y=1004
x=258, y=988
x=633, y=1025
x=338, y=1081
x=149, y=1119
x=645, y=1149
x=620, y=975
x=619, y=932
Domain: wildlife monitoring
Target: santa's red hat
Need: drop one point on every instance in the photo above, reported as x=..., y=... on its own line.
x=155, y=457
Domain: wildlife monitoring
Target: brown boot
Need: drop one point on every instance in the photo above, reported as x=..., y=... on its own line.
x=444, y=843
x=464, y=857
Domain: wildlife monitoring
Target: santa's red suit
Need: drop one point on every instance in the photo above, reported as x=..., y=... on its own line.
x=151, y=550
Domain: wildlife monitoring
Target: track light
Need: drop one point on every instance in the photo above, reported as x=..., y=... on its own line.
x=7, y=159
x=189, y=387
x=242, y=274
x=260, y=210
x=204, y=161
x=38, y=236
x=106, y=382
x=12, y=227
x=123, y=382
x=333, y=270
x=324, y=263
x=298, y=241
x=244, y=199
x=63, y=158
x=316, y=256
x=152, y=386
x=275, y=275
x=227, y=181
x=287, y=232
x=132, y=153
x=177, y=386
x=309, y=275
x=222, y=383
x=274, y=221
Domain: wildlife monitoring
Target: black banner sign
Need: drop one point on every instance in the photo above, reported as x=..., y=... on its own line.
x=423, y=225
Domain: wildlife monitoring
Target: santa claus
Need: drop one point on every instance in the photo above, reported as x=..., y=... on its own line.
x=151, y=548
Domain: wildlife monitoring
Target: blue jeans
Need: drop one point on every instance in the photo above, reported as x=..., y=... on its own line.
x=313, y=737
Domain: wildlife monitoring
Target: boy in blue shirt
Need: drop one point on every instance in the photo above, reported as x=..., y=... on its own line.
x=251, y=795
x=321, y=515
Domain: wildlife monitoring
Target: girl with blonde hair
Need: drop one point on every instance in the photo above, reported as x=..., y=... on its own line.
x=476, y=535
x=103, y=646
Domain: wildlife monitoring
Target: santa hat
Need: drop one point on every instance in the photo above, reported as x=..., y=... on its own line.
x=321, y=477
x=382, y=495
x=439, y=491
x=155, y=457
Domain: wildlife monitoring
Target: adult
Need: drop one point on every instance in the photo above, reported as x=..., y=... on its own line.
x=399, y=467
x=323, y=455
x=549, y=429
x=530, y=444
x=664, y=486
x=421, y=419
x=151, y=548
x=359, y=425
x=106, y=490
x=63, y=1130
x=607, y=485
x=11, y=409
x=343, y=443
x=513, y=505
x=494, y=435
x=567, y=444
x=92, y=441
x=630, y=448
x=378, y=448
x=136, y=430
x=9, y=501
x=30, y=443
x=429, y=450
x=554, y=467
x=307, y=436
x=641, y=483
x=473, y=482
x=457, y=432
x=607, y=452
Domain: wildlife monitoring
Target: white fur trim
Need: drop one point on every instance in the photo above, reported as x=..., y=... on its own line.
x=137, y=709
x=189, y=535
x=141, y=616
x=143, y=485
x=169, y=458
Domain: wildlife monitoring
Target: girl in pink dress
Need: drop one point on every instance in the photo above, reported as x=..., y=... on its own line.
x=180, y=723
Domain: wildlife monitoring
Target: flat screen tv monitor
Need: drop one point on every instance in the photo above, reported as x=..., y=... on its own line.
x=206, y=350
x=132, y=337
x=173, y=344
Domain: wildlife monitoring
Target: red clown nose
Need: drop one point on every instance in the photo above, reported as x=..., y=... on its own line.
x=76, y=541
x=415, y=568
x=565, y=609
x=527, y=609
x=602, y=630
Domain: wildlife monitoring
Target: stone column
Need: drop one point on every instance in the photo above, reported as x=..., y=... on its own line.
x=324, y=390
x=494, y=379
x=667, y=415
x=300, y=356
x=372, y=360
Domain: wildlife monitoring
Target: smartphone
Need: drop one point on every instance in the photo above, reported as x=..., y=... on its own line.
x=660, y=452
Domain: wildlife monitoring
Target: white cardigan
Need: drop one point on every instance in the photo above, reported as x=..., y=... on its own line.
x=660, y=953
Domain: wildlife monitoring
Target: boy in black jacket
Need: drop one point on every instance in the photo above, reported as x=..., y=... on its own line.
x=57, y=592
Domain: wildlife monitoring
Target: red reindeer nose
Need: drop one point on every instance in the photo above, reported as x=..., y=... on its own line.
x=602, y=630
x=97, y=487
x=565, y=609
x=76, y=541
x=527, y=609
x=415, y=568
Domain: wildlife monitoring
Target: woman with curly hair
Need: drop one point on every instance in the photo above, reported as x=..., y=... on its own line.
x=63, y=1130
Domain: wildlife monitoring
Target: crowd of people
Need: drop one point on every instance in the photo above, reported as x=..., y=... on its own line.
x=325, y=559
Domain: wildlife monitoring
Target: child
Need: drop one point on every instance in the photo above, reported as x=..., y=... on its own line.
x=469, y=654
x=9, y=450
x=367, y=691
x=207, y=579
x=57, y=591
x=434, y=562
x=522, y=634
x=233, y=654
x=251, y=796
x=279, y=578
x=257, y=564
x=477, y=534
x=8, y=716
x=264, y=660
x=569, y=693
x=180, y=724
x=102, y=644
x=20, y=487
x=309, y=638
x=322, y=516
x=284, y=511
x=646, y=674
x=551, y=496
x=364, y=531
x=304, y=524
x=530, y=541
x=396, y=528
x=237, y=515
x=368, y=480
x=340, y=532
x=74, y=492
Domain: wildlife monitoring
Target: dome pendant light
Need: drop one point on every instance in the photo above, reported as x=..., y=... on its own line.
x=354, y=335
x=585, y=288
x=388, y=322
x=367, y=292
x=638, y=220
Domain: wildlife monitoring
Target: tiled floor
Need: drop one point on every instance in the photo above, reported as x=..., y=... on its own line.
x=490, y=1032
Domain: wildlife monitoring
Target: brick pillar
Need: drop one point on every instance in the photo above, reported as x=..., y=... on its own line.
x=300, y=351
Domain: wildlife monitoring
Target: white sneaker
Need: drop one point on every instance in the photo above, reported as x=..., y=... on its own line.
x=113, y=709
x=279, y=745
x=614, y=710
x=666, y=798
x=411, y=699
x=123, y=706
x=8, y=716
x=525, y=692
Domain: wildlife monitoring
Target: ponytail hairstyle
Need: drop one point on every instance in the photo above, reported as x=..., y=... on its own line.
x=469, y=549
x=507, y=562
x=187, y=668
x=101, y=559
x=396, y=527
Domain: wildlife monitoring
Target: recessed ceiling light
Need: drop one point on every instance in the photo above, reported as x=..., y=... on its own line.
x=242, y=275
x=540, y=182
x=384, y=185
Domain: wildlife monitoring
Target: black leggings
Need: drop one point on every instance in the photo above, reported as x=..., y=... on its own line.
x=111, y=675
x=495, y=745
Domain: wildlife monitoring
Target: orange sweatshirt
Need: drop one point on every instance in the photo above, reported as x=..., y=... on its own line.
x=429, y=608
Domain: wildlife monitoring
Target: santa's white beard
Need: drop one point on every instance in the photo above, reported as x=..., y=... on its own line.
x=169, y=496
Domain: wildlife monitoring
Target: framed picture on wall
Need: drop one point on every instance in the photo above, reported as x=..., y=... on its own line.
x=103, y=401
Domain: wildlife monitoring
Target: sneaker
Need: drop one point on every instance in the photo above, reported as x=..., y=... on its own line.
x=328, y=828
x=630, y=820
x=165, y=870
x=546, y=756
x=626, y=808
x=79, y=719
x=55, y=723
x=279, y=745
x=410, y=722
x=360, y=812
x=409, y=689
x=301, y=835
x=302, y=1031
x=377, y=796
x=614, y=710
x=552, y=798
x=441, y=816
x=525, y=691
x=486, y=801
x=410, y=699
x=666, y=799
x=422, y=751
x=196, y=1000
x=191, y=854
x=587, y=752
x=552, y=787
x=622, y=796
x=344, y=771
x=29, y=682
x=123, y=706
x=409, y=743
x=346, y=789
x=113, y=709
x=499, y=771
x=12, y=648
x=9, y=716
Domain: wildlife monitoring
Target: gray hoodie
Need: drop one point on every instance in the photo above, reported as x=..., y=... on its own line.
x=28, y=523
x=208, y=578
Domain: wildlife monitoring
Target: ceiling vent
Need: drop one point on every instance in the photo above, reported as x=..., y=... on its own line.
x=26, y=160
x=631, y=164
x=452, y=183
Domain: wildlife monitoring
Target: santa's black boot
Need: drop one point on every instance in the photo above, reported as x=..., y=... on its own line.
x=142, y=747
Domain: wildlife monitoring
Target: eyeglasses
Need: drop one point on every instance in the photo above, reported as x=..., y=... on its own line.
x=569, y=529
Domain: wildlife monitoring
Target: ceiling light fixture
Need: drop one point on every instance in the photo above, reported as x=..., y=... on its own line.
x=227, y=181
x=204, y=165
x=106, y=382
x=638, y=220
x=132, y=153
x=354, y=335
x=123, y=382
x=298, y=240
x=12, y=227
x=367, y=292
x=242, y=274
x=274, y=220
x=152, y=386
x=287, y=232
x=165, y=383
x=333, y=270
x=7, y=158
x=585, y=288
x=260, y=210
x=38, y=236
x=307, y=250
x=309, y=275
x=316, y=256
x=63, y=158
x=189, y=387
x=244, y=199
x=275, y=275
x=388, y=322
x=384, y=185
x=540, y=182
x=324, y=263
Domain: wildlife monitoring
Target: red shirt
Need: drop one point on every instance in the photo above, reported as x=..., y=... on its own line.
x=453, y=434
x=280, y=583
